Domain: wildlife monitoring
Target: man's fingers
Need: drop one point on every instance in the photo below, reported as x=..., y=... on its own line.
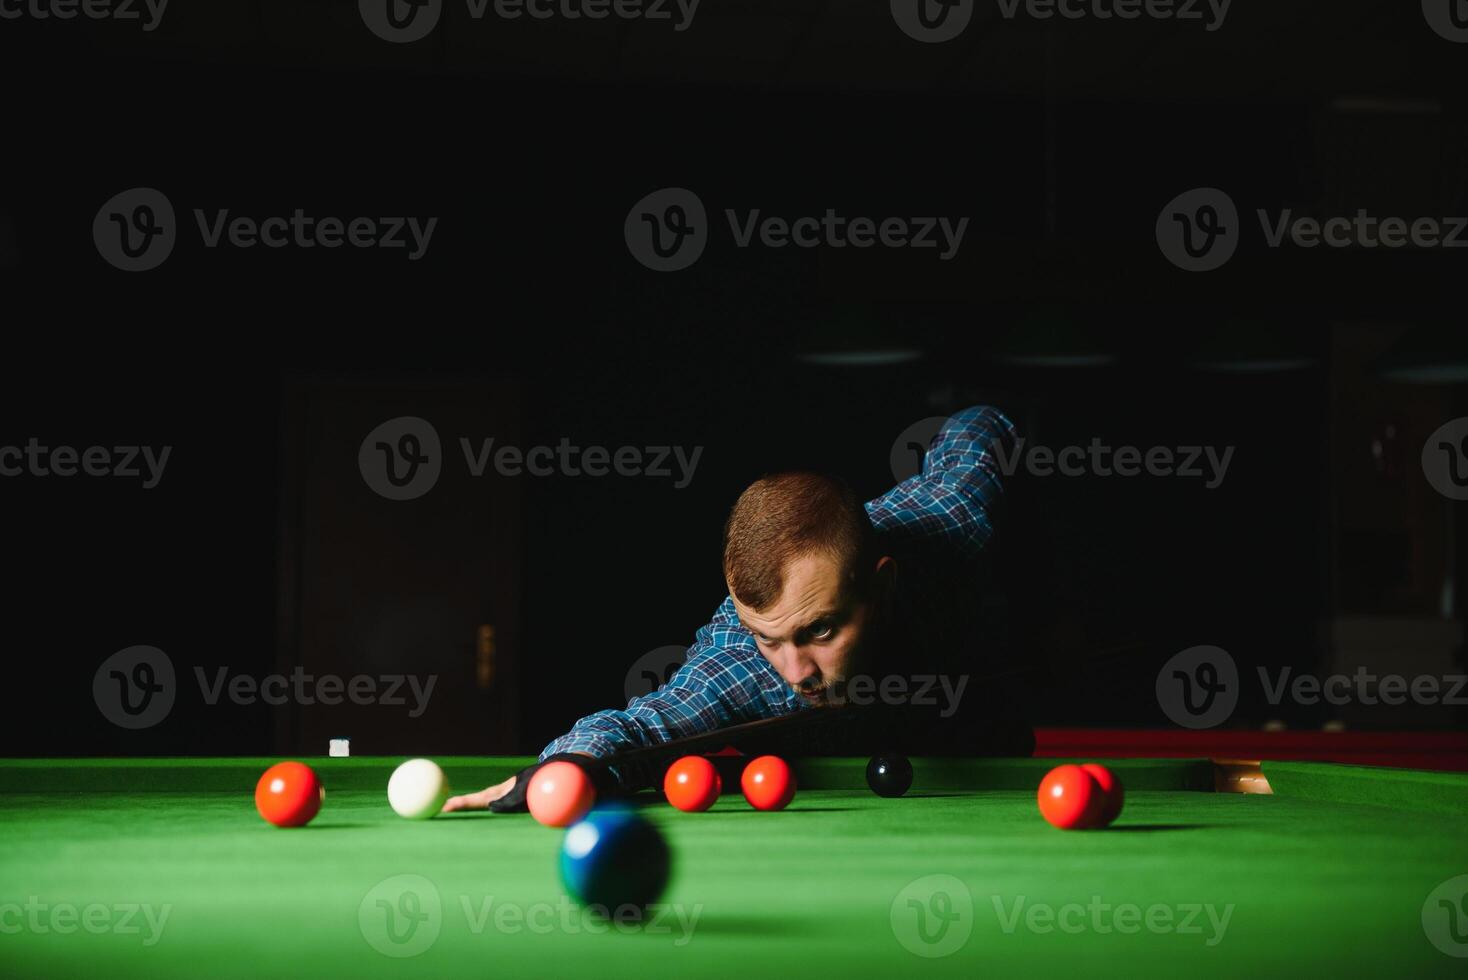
x=470, y=801
x=480, y=800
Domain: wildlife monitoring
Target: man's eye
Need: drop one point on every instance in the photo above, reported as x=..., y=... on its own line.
x=821, y=631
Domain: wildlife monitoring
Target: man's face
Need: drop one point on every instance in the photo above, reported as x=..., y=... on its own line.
x=813, y=634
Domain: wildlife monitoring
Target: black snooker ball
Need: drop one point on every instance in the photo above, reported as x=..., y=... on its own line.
x=889, y=774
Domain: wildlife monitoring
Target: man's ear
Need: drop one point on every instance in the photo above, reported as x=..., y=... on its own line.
x=884, y=576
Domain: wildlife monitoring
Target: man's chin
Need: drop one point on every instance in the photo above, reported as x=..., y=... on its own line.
x=824, y=698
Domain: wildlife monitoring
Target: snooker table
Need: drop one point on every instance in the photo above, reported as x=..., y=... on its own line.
x=1341, y=870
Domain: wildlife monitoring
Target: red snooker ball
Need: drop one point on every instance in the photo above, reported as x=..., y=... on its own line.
x=692, y=784
x=1071, y=799
x=1111, y=789
x=289, y=794
x=560, y=794
x=768, y=783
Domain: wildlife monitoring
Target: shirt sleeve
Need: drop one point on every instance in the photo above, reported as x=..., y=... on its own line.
x=724, y=681
x=956, y=495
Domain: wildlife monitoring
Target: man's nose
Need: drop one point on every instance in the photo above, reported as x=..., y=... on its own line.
x=802, y=670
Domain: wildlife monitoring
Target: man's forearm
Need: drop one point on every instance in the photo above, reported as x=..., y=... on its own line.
x=600, y=735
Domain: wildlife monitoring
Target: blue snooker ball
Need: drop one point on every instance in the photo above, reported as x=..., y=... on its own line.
x=614, y=858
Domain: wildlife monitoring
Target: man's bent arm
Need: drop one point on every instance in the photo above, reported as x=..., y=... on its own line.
x=725, y=681
x=957, y=494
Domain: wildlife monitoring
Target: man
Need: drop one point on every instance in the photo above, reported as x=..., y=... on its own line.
x=830, y=601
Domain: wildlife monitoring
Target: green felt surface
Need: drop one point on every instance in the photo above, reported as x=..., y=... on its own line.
x=1308, y=884
x=1413, y=789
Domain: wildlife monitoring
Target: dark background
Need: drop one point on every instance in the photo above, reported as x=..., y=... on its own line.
x=1060, y=141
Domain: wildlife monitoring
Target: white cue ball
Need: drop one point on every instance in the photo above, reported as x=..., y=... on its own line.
x=417, y=789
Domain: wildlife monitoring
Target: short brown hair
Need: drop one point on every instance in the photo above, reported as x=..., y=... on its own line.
x=783, y=517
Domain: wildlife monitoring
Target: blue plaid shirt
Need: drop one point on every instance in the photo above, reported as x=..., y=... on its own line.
x=935, y=523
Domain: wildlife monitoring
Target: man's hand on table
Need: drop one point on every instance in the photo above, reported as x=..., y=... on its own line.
x=480, y=800
x=509, y=795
